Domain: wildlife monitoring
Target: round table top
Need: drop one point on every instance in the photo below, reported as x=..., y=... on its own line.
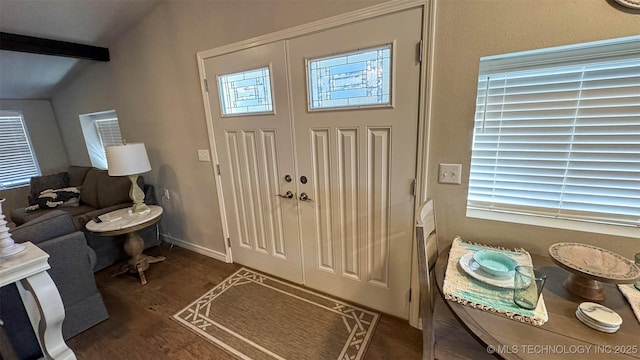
x=123, y=221
x=594, y=262
x=563, y=333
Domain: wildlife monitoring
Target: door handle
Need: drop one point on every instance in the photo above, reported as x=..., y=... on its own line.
x=287, y=195
x=305, y=197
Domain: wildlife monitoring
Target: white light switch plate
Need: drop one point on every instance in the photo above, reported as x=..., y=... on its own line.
x=450, y=174
x=203, y=155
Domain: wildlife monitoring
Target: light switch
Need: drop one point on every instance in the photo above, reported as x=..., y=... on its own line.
x=450, y=174
x=203, y=155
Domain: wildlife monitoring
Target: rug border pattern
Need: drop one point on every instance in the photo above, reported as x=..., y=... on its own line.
x=359, y=328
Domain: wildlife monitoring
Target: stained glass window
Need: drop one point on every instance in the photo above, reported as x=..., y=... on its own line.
x=246, y=92
x=353, y=79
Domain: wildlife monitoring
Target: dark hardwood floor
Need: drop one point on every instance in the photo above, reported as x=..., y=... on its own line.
x=140, y=325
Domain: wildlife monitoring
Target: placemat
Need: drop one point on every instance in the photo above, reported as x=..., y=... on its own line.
x=633, y=297
x=460, y=287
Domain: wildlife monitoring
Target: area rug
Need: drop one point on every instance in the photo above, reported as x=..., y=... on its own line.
x=254, y=316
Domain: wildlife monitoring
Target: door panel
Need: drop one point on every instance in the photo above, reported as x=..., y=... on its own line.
x=357, y=230
x=255, y=153
x=351, y=237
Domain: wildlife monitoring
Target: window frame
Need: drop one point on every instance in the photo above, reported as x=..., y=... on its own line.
x=35, y=170
x=92, y=137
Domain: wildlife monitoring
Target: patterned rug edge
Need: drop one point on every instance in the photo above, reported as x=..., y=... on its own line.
x=237, y=353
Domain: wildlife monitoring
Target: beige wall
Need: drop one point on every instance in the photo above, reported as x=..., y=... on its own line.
x=152, y=82
x=467, y=30
x=45, y=139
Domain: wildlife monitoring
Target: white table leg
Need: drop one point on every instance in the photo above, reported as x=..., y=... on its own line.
x=46, y=312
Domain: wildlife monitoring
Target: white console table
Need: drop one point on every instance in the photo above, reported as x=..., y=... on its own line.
x=40, y=296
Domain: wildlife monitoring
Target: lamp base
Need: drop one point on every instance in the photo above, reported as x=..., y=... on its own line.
x=138, y=208
x=137, y=196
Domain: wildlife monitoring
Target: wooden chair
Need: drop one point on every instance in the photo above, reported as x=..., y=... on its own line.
x=427, y=242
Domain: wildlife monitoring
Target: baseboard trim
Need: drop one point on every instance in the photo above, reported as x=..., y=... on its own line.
x=196, y=248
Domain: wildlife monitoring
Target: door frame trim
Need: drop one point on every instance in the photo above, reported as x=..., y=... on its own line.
x=424, y=112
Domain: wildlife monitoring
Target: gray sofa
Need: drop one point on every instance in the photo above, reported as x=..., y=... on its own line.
x=72, y=264
x=99, y=193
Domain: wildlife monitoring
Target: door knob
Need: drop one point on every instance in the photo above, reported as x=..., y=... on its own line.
x=287, y=195
x=287, y=178
x=305, y=197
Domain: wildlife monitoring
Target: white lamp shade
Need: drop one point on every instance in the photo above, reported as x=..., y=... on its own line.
x=129, y=159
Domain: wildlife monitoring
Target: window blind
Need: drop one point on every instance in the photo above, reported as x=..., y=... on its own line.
x=109, y=132
x=17, y=161
x=557, y=133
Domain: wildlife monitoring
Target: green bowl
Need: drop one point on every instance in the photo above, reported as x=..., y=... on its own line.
x=494, y=263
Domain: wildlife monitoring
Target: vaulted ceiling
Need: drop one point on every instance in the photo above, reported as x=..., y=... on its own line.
x=89, y=22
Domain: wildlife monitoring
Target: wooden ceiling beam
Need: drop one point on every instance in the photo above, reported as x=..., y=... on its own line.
x=36, y=45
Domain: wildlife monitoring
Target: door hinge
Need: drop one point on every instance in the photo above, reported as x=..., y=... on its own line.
x=206, y=85
x=228, y=242
x=218, y=169
x=415, y=187
x=420, y=50
x=409, y=295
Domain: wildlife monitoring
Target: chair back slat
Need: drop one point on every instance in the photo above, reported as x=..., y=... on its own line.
x=427, y=246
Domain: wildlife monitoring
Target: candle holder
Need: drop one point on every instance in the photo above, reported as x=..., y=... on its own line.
x=8, y=247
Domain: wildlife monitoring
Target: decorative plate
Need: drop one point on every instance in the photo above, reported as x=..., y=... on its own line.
x=633, y=4
x=600, y=314
x=598, y=263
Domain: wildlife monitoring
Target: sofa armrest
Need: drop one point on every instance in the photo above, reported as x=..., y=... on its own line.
x=72, y=266
x=48, y=226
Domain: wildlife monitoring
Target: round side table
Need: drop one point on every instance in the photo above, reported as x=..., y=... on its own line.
x=121, y=222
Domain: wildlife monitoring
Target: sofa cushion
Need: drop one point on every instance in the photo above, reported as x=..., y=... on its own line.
x=21, y=215
x=77, y=174
x=100, y=190
x=89, y=191
x=45, y=182
x=113, y=190
x=50, y=225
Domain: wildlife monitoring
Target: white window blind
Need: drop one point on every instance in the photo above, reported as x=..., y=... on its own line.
x=17, y=161
x=109, y=132
x=557, y=133
x=100, y=129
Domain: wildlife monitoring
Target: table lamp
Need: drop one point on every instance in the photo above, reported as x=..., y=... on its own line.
x=129, y=160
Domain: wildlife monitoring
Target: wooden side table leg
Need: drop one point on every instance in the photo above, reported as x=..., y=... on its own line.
x=137, y=263
x=143, y=278
x=47, y=315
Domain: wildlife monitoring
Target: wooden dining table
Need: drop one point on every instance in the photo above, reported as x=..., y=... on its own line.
x=563, y=336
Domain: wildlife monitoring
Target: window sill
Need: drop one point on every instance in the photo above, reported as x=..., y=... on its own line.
x=11, y=187
x=617, y=230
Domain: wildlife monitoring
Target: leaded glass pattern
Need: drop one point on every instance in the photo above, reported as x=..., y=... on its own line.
x=246, y=92
x=354, y=79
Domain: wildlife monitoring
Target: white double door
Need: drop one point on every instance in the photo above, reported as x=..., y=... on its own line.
x=351, y=237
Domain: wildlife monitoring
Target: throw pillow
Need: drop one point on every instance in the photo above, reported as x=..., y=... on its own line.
x=50, y=199
x=47, y=182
